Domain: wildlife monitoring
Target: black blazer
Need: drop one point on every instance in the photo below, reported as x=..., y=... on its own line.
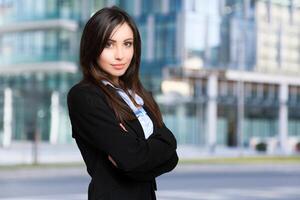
x=98, y=134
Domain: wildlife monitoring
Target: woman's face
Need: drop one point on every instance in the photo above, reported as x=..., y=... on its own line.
x=118, y=52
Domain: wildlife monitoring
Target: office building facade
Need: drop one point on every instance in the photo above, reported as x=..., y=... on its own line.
x=253, y=97
x=39, y=43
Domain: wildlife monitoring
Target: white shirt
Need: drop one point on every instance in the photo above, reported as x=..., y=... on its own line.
x=140, y=113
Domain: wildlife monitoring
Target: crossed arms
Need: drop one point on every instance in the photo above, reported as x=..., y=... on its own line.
x=138, y=158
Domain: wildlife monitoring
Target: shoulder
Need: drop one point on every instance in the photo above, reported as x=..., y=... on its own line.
x=83, y=89
x=84, y=93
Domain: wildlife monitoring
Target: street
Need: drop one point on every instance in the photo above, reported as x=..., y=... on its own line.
x=203, y=182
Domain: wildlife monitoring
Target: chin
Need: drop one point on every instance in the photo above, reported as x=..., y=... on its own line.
x=120, y=73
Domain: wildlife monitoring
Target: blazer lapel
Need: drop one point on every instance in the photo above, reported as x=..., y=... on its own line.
x=133, y=124
x=136, y=127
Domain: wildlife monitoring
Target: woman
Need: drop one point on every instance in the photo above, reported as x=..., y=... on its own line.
x=115, y=122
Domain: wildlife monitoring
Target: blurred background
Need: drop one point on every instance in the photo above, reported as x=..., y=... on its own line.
x=224, y=72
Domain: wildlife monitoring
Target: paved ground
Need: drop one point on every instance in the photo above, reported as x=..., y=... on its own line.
x=187, y=182
x=22, y=153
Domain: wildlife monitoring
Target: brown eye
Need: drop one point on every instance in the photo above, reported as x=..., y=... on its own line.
x=108, y=45
x=128, y=44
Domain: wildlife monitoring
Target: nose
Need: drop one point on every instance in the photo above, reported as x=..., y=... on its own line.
x=119, y=54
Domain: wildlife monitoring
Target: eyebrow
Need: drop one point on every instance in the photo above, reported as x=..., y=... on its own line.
x=124, y=40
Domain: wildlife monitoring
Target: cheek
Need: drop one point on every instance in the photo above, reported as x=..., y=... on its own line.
x=104, y=58
x=130, y=54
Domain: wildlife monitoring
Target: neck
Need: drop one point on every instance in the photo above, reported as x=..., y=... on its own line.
x=115, y=81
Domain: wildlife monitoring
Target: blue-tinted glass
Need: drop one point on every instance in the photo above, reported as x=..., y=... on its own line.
x=31, y=10
x=147, y=7
x=175, y=5
x=128, y=6
x=36, y=46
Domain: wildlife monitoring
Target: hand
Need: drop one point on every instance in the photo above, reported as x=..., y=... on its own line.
x=112, y=161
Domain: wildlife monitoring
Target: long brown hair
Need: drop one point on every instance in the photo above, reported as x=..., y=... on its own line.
x=95, y=35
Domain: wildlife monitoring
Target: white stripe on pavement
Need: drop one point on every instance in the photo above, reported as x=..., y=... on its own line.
x=48, y=197
x=269, y=193
x=189, y=195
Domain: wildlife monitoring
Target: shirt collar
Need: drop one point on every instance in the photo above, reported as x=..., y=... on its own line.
x=105, y=82
x=138, y=99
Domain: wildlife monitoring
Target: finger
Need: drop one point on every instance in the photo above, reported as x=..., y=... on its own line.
x=112, y=161
x=123, y=127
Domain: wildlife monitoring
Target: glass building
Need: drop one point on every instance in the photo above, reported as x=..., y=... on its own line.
x=38, y=63
x=39, y=43
x=248, y=91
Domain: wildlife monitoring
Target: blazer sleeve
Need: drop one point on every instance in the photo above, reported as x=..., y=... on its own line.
x=93, y=121
x=149, y=175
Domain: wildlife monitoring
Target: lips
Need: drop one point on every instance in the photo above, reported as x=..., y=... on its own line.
x=118, y=66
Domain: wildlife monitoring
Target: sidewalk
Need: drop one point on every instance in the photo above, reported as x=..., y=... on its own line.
x=38, y=172
x=22, y=153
